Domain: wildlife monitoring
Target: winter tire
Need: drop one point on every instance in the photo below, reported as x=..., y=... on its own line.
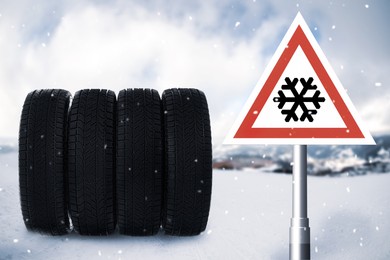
x=92, y=162
x=188, y=169
x=139, y=162
x=42, y=161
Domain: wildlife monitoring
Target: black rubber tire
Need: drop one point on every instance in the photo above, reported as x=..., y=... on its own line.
x=139, y=162
x=42, y=161
x=92, y=162
x=188, y=163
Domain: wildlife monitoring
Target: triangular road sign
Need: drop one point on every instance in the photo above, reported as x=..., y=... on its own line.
x=299, y=99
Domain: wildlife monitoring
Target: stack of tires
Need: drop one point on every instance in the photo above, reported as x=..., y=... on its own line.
x=137, y=162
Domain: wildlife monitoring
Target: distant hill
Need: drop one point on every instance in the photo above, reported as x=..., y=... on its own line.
x=8, y=145
x=322, y=159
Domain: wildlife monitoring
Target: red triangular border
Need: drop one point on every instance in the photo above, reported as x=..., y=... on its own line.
x=246, y=130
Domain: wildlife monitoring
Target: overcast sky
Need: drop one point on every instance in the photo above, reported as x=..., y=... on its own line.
x=221, y=47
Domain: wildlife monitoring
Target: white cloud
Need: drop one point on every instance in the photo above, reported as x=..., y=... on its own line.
x=376, y=114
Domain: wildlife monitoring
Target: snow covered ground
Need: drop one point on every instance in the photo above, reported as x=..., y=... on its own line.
x=349, y=218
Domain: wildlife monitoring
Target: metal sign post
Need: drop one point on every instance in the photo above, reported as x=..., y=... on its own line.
x=299, y=228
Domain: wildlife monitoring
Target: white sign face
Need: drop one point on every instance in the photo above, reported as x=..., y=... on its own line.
x=298, y=99
x=270, y=116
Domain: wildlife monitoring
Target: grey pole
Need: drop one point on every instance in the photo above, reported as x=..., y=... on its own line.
x=299, y=228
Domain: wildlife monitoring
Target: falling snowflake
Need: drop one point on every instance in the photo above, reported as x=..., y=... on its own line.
x=299, y=99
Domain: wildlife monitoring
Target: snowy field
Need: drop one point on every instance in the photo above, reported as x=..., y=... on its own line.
x=349, y=219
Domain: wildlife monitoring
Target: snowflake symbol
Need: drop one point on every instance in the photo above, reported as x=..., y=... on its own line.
x=299, y=99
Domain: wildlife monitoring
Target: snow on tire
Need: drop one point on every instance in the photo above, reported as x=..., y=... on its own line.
x=91, y=167
x=42, y=161
x=139, y=162
x=188, y=164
